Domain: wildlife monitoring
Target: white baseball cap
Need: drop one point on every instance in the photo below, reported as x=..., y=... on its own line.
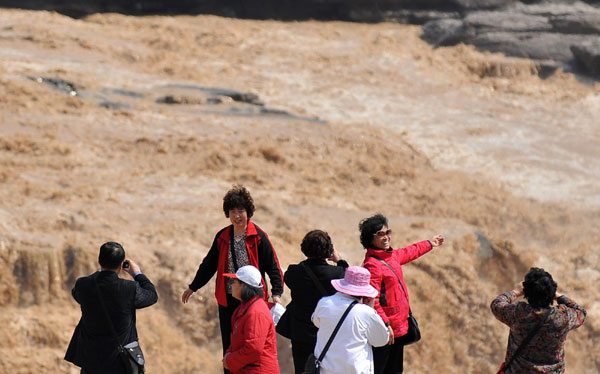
x=247, y=274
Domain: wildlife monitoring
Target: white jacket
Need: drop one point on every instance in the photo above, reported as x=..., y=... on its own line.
x=350, y=352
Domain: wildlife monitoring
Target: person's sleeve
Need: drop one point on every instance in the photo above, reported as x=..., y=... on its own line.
x=377, y=334
x=269, y=264
x=315, y=316
x=412, y=252
x=288, y=277
x=342, y=264
x=575, y=314
x=376, y=280
x=145, y=293
x=207, y=268
x=75, y=291
x=256, y=329
x=504, y=308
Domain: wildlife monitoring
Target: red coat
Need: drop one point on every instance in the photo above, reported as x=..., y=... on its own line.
x=253, y=348
x=260, y=254
x=392, y=303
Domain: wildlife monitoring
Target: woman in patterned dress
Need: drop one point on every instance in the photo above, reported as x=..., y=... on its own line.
x=545, y=353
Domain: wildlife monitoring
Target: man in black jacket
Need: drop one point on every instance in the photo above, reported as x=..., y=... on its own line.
x=93, y=346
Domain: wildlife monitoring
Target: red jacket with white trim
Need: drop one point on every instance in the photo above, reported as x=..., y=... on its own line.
x=392, y=303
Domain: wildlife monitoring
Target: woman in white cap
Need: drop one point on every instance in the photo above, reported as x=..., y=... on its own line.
x=253, y=346
x=350, y=351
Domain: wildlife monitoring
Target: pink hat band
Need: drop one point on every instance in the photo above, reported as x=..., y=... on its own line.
x=356, y=282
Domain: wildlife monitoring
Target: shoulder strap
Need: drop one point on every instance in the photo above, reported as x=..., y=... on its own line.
x=337, y=327
x=527, y=339
x=256, y=298
x=110, y=324
x=315, y=280
x=397, y=276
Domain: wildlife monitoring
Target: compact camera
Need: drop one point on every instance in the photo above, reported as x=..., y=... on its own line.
x=126, y=265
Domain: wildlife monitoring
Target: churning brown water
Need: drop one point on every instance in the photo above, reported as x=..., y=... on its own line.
x=123, y=128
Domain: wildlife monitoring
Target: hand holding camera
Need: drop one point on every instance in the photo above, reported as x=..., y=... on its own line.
x=130, y=267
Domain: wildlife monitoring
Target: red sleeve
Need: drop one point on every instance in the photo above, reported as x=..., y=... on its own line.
x=376, y=279
x=412, y=252
x=256, y=329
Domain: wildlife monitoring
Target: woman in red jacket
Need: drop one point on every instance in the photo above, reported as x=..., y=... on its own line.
x=241, y=243
x=253, y=348
x=392, y=301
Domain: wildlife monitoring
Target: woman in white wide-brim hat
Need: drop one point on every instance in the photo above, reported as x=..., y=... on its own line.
x=350, y=351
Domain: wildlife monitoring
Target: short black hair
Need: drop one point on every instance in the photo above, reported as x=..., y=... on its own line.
x=317, y=244
x=248, y=292
x=111, y=255
x=238, y=196
x=539, y=288
x=369, y=226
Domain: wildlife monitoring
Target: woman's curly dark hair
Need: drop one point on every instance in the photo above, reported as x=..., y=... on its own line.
x=539, y=288
x=317, y=244
x=238, y=196
x=369, y=226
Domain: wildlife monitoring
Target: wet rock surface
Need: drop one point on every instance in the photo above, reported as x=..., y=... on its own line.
x=546, y=32
x=588, y=54
x=204, y=100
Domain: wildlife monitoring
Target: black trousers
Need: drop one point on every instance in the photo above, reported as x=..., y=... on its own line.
x=225, y=314
x=389, y=359
x=300, y=353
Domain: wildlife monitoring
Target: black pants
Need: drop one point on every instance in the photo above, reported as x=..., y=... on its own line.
x=300, y=353
x=225, y=314
x=389, y=359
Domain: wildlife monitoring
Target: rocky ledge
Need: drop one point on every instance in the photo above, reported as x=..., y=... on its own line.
x=555, y=34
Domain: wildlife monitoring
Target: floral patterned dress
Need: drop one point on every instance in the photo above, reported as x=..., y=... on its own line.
x=545, y=353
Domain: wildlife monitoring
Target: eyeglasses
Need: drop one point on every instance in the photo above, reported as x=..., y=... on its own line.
x=381, y=234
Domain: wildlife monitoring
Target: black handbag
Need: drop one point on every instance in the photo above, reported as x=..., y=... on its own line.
x=131, y=355
x=284, y=326
x=413, y=334
x=313, y=364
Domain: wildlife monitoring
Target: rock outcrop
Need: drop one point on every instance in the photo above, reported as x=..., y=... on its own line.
x=587, y=54
x=555, y=35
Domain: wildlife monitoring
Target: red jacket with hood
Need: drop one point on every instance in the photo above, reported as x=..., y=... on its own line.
x=253, y=348
x=392, y=303
x=260, y=254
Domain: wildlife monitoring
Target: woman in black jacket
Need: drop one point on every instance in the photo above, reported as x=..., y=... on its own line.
x=307, y=291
